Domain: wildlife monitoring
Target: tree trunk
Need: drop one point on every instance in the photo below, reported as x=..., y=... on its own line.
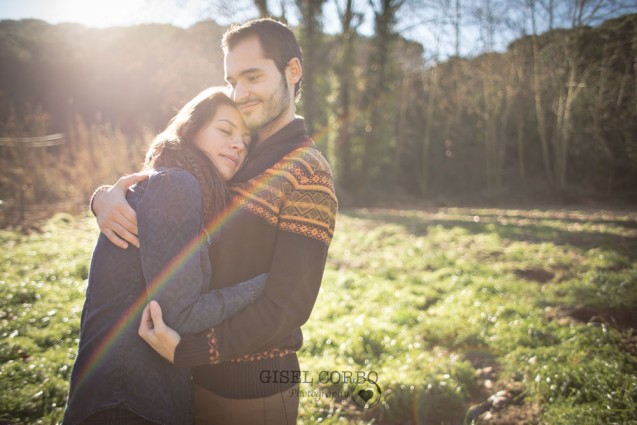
x=457, y=27
x=491, y=114
x=377, y=144
x=425, y=168
x=343, y=148
x=539, y=107
x=568, y=95
x=262, y=7
x=520, y=146
x=635, y=68
x=311, y=42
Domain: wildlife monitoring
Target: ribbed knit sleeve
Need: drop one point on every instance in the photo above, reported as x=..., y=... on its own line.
x=174, y=256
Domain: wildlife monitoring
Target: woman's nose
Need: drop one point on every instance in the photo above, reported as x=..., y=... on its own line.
x=237, y=143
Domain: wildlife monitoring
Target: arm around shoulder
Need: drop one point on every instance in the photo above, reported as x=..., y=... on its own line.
x=115, y=218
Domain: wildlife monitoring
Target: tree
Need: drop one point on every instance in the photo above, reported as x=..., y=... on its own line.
x=495, y=94
x=344, y=78
x=314, y=65
x=379, y=80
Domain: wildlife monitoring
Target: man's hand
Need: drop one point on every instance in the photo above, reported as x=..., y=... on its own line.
x=116, y=219
x=154, y=331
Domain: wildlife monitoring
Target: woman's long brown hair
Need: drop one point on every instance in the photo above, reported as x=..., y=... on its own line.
x=174, y=147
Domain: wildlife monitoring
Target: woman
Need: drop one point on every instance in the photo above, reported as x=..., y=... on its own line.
x=117, y=378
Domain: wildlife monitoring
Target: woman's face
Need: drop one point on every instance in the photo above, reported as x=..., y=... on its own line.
x=224, y=140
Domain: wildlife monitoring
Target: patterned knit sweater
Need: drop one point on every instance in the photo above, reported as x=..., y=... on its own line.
x=281, y=222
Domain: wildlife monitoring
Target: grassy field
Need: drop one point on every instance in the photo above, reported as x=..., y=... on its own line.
x=520, y=316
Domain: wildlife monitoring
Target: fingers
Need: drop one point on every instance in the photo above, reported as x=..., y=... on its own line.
x=160, y=337
x=123, y=220
x=156, y=314
x=146, y=323
x=127, y=181
x=116, y=240
x=115, y=217
x=118, y=229
x=125, y=233
x=119, y=210
x=147, y=319
x=129, y=217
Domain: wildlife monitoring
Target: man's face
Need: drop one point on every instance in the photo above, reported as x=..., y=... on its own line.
x=259, y=89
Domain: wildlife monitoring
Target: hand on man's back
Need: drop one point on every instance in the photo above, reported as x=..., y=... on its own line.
x=115, y=217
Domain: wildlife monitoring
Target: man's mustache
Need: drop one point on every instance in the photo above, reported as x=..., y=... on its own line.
x=247, y=101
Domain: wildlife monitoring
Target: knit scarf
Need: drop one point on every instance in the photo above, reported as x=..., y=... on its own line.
x=268, y=152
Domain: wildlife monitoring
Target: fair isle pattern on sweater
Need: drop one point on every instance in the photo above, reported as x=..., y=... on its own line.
x=268, y=354
x=214, y=357
x=212, y=345
x=296, y=194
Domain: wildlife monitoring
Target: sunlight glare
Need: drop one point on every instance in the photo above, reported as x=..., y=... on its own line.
x=101, y=14
x=96, y=14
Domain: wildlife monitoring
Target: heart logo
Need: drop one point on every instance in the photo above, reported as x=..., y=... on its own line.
x=366, y=395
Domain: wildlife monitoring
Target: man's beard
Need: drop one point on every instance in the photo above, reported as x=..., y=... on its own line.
x=271, y=108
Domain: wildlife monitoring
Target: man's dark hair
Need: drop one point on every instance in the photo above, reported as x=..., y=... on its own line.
x=277, y=41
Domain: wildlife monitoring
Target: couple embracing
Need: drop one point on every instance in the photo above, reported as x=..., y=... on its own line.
x=226, y=234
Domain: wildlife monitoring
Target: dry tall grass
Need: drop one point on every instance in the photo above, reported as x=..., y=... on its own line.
x=36, y=177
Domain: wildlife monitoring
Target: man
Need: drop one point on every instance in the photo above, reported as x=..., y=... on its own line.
x=282, y=222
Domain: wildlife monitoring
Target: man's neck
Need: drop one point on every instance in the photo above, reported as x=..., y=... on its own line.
x=275, y=126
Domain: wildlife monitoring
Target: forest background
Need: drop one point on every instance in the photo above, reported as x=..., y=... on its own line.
x=551, y=118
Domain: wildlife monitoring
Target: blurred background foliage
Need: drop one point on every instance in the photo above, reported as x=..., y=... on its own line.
x=550, y=118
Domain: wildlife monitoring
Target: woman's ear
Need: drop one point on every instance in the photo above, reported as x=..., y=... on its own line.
x=293, y=71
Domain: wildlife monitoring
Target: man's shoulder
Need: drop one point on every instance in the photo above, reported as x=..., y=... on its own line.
x=307, y=158
x=296, y=194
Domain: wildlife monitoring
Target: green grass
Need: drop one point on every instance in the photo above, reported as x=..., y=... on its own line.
x=426, y=300
x=42, y=283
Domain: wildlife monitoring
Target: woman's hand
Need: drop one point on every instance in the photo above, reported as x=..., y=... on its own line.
x=116, y=219
x=154, y=331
